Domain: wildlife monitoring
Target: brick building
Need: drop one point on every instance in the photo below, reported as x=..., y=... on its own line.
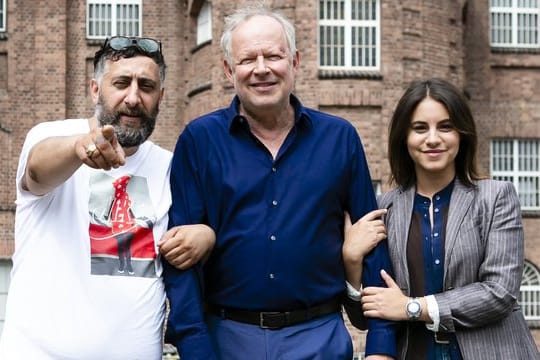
x=490, y=48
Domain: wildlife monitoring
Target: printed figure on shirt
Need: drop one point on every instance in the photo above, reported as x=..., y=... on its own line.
x=121, y=222
x=274, y=180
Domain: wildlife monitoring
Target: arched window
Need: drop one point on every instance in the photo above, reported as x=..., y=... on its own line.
x=204, y=23
x=529, y=297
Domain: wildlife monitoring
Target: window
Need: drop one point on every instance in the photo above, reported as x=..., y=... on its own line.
x=204, y=23
x=529, y=292
x=514, y=23
x=349, y=34
x=377, y=186
x=5, y=270
x=114, y=17
x=3, y=15
x=518, y=161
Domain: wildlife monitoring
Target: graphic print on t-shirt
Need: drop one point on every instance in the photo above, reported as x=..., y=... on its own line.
x=121, y=222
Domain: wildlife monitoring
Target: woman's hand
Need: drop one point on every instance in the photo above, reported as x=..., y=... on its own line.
x=385, y=303
x=360, y=239
x=362, y=236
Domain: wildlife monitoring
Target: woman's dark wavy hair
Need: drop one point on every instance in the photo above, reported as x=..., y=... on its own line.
x=401, y=163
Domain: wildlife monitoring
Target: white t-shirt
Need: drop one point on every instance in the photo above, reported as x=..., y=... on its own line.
x=86, y=279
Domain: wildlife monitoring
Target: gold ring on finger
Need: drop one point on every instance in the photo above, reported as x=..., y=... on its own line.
x=90, y=150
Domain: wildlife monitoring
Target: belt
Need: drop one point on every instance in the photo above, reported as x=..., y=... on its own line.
x=442, y=337
x=274, y=320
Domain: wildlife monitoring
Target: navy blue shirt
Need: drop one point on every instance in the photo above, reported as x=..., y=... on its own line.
x=426, y=273
x=278, y=222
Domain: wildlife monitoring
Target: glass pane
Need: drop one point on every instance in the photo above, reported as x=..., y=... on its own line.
x=99, y=20
x=502, y=155
x=127, y=20
x=331, y=45
x=2, y=15
x=528, y=191
x=527, y=29
x=528, y=155
x=332, y=9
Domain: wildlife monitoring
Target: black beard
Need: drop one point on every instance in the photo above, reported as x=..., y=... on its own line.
x=127, y=136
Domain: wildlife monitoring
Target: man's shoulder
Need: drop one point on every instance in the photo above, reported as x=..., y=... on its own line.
x=324, y=117
x=216, y=118
x=157, y=149
x=211, y=117
x=65, y=125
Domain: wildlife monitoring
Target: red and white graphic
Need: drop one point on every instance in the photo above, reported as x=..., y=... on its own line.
x=121, y=221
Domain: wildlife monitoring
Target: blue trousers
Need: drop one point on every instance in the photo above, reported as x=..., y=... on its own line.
x=324, y=338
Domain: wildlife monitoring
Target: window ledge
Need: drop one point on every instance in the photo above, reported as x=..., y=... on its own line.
x=201, y=45
x=95, y=41
x=530, y=213
x=533, y=324
x=349, y=74
x=200, y=88
x=505, y=50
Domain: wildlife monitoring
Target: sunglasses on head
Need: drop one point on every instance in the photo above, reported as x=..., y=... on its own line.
x=147, y=45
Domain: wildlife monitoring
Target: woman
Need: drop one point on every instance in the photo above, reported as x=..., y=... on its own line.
x=455, y=239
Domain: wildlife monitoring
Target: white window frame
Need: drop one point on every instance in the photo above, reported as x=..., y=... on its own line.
x=108, y=26
x=5, y=273
x=204, y=23
x=370, y=29
x=518, y=161
x=514, y=23
x=377, y=187
x=529, y=292
x=3, y=11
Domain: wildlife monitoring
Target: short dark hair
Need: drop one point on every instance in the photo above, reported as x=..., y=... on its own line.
x=401, y=163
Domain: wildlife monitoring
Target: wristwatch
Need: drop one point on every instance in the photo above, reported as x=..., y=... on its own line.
x=414, y=309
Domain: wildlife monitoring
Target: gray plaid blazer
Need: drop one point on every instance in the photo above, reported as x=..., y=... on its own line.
x=482, y=270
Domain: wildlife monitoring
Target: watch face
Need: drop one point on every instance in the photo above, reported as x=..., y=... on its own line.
x=413, y=307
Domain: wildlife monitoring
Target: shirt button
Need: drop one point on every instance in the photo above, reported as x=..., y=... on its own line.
x=437, y=197
x=274, y=169
x=274, y=202
x=437, y=262
x=436, y=234
x=436, y=210
x=272, y=237
x=271, y=276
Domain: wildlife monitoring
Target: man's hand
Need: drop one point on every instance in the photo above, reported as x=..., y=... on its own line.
x=100, y=149
x=184, y=246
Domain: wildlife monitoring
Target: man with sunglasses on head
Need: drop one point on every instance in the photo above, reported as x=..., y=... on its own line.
x=92, y=203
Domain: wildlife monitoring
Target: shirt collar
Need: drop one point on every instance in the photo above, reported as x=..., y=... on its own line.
x=442, y=197
x=236, y=121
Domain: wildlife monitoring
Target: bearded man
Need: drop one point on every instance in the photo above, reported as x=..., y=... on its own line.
x=91, y=192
